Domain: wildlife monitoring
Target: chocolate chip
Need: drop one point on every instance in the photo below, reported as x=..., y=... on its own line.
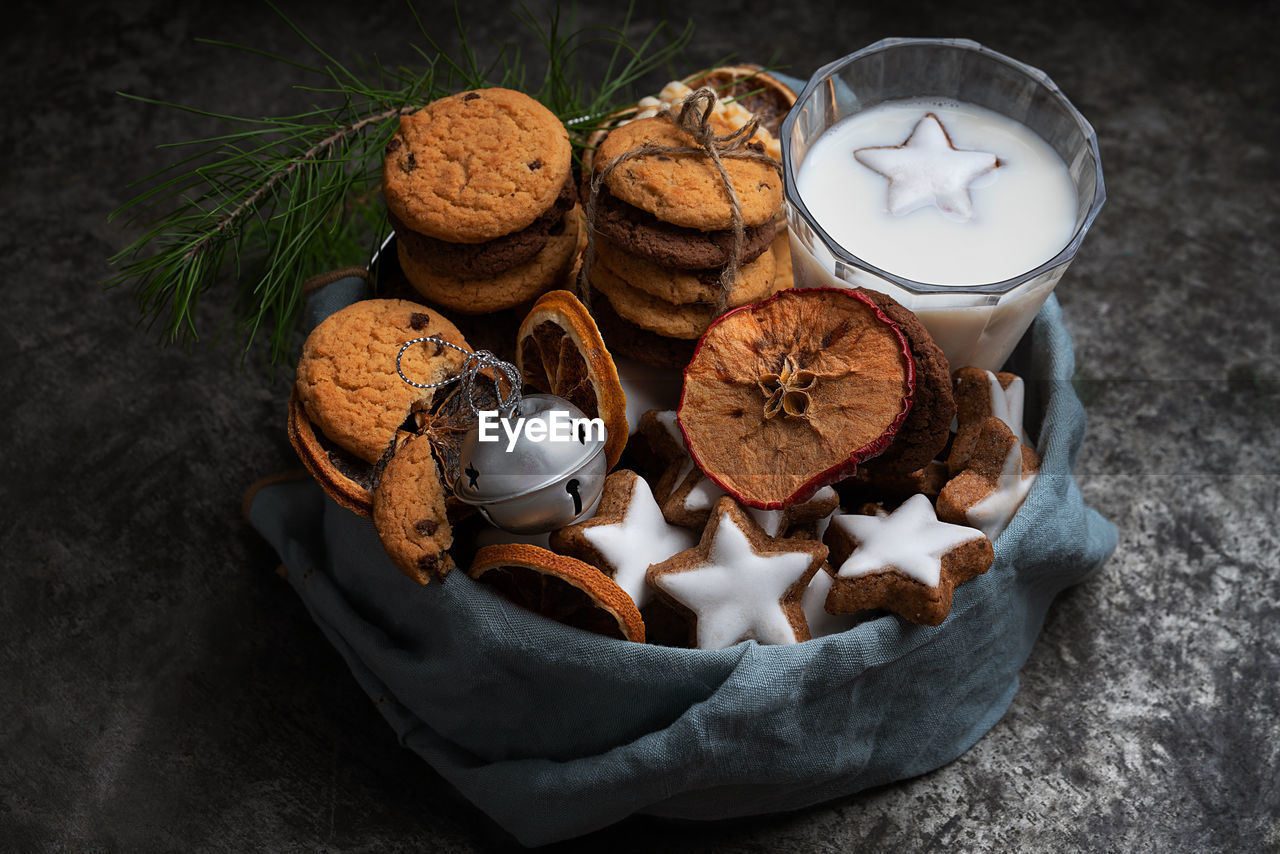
x=470, y=96
x=737, y=413
x=411, y=162
x=756, y=146
x=426, y=527
x=394, y=145
x=438, y=350
x=429, y=563
x=418, y=320
x=535, y=165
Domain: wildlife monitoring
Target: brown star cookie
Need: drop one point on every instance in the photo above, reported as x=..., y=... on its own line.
x=868, y=484
x=625, y=536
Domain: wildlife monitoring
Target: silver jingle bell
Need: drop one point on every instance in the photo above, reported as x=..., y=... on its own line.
x=539, y=467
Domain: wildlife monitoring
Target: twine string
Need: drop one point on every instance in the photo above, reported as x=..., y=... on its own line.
x=694, y=119
x=475, y=363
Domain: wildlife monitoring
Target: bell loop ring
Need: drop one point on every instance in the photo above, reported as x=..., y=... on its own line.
x=475, y=362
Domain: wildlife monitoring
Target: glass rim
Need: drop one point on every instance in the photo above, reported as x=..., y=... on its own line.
x=1062, y=257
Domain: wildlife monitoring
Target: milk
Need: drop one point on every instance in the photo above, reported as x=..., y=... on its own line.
x=1024, y=211
x=1023, y=214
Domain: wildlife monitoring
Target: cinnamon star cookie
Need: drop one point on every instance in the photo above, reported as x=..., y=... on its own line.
x=907, y=562
x=981, y=395
x=996, y=479
x=626, y=535
x=738, y=583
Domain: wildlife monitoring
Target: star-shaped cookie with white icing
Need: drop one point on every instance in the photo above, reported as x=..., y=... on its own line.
x=626, y=535
x=686, y=494
x=981, y=395
x=814, y=602
x=997, y=477
x=928, y=170
x=906, y=562
x=738, y=583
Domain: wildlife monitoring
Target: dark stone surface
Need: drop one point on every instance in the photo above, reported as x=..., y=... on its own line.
x=162, y=689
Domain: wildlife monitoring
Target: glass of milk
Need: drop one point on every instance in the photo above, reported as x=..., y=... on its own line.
x=976, y=282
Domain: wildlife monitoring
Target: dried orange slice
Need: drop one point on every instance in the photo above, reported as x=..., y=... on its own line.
x=559, y=351
x=561, y=588
x=788, y=395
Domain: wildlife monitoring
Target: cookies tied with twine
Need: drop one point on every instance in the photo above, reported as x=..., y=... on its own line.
x=676, y=180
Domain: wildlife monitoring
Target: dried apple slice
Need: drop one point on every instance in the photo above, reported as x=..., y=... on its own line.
x=788, y=395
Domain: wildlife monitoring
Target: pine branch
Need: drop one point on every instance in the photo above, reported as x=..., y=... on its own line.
x=293, y=195
x=309, y=155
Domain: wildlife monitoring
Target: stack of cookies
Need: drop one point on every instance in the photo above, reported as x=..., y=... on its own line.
x=480, y=192
x=663, y=233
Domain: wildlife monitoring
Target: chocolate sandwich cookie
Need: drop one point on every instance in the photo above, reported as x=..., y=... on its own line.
x=511, y=287
x=686, y=189
x=924, y=433
x=475, y=166
x=477, y=260
x=346, y=478
x=643, y=234
x=680, y=287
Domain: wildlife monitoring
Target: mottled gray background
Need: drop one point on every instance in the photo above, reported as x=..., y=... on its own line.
x=162, y=689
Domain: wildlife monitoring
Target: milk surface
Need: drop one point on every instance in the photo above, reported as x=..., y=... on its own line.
x=1024, y=212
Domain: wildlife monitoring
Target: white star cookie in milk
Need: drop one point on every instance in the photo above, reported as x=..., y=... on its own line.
x=906, y=561
x=625, y=536
x=997, y=477
x=738, y=583
x=928, y=170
